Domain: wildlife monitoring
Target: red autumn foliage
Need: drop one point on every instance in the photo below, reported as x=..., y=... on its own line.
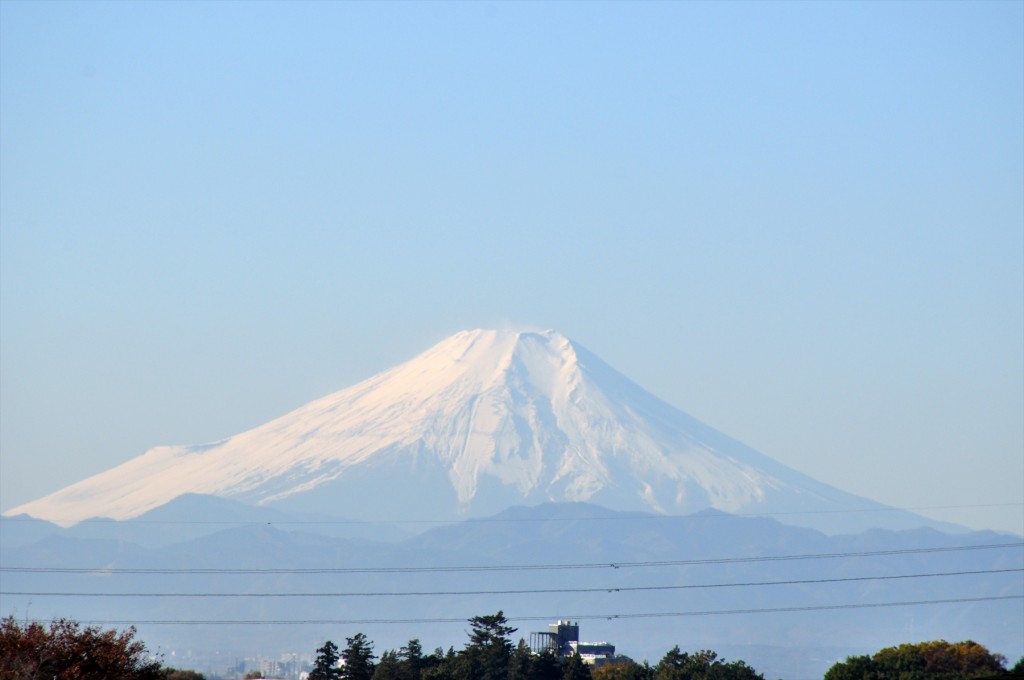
x=66, y=651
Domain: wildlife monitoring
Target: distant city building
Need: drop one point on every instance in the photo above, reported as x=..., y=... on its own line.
x=563, y=639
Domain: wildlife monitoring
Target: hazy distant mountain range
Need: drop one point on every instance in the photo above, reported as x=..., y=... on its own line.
x=789, y=600
x=481, y=421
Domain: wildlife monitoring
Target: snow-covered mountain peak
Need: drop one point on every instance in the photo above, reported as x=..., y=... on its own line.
x=480, y=421
x=480, y=360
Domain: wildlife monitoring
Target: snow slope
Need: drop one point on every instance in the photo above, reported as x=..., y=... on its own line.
x=480, y=421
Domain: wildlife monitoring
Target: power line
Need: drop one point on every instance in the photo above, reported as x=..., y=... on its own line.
x=531, y=591
x=579, y=617
x=513, y=567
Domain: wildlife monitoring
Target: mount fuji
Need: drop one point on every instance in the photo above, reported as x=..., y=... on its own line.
x=481, y=421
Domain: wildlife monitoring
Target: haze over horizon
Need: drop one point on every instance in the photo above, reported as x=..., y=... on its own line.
x=801, y=223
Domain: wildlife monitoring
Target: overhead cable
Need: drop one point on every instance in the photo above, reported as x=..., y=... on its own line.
x=574, y=617
x=506, y=567
x=530, y=591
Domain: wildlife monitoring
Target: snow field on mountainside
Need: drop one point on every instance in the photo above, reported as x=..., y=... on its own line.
x=482, y=420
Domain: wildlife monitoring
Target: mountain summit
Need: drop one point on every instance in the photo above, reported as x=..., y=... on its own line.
x=483, y=420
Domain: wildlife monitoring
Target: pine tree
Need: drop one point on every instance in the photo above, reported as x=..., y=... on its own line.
x=390, y=667
x=326, y=665
x=490, y=647
x=358, y=657
x=412, y=660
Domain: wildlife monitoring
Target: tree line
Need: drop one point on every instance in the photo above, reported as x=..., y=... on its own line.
x=64, y=650
x=935, y=660
x=491, y=655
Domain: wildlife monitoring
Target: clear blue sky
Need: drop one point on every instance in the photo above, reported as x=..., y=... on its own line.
x=802, y=223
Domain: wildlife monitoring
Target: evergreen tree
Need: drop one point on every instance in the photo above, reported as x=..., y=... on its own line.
x=671, y=665
x=491, y=631
x=702, y=665
x=490, y=647
x=442, y=665
x=435, y=668
x=545, y=666
x=358, y=657
x=412, y=660
x=519, y=666
x=390, y=667
x=326, y=665
x=575, y=669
